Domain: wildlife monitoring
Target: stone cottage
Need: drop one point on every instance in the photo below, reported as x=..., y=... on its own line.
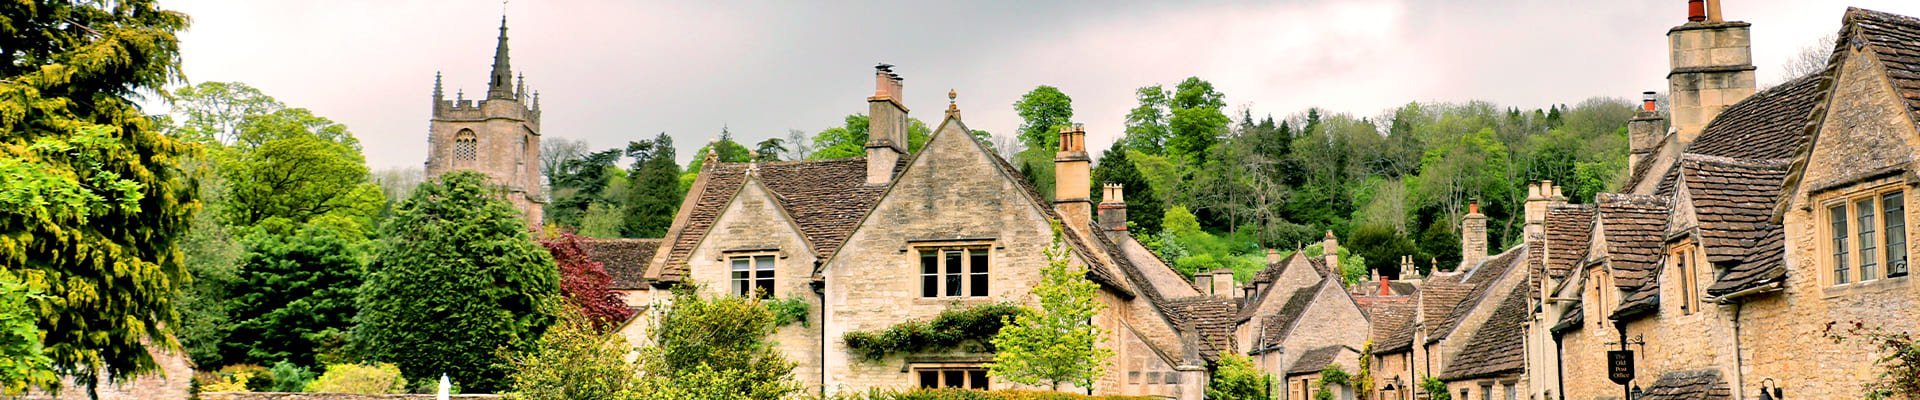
x=867, y=243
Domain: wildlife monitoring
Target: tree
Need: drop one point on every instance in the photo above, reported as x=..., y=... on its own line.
x=714, y=348
x=1043, y=111
x=1235, y=378
x=556, y=152
x=850, y=139
x=1144, y=208
x=770, y=149
x=1057, y=343
x=654, y=194
x=579, y=184
x=95, y=201
x=456, y=279
x=1197, y=119
x=726, y=148
x=290, y=167
x=1810, y=59
x=799, y=145
x=212, y=112
x=575, y=359
x=23, y=361
x=293, y=299
x=585, y=282
x=1147, y=130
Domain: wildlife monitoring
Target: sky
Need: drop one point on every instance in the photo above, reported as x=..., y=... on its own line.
x=613, y=71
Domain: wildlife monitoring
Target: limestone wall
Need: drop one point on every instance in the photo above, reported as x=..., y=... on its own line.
x=333, y=396
x=752, y=224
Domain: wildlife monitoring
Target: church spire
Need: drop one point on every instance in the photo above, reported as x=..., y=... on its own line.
x=501, y=85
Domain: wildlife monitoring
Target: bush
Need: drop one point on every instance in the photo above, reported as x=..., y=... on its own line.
x=290, y=378
x=789, y=311
x=574, y=360
x=948, y=330
x=1236, y=379
x=969, y=394
x=360, y=379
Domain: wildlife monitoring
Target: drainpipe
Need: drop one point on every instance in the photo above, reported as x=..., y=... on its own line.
x=1739, y=373
x=1559, y=365
x=820, y=290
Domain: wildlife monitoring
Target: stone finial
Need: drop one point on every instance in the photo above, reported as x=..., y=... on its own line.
x=436, y=85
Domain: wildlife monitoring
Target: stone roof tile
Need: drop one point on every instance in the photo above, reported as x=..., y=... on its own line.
x=1479, y=283
x=624, y=259
x=1634, y=227
x=1771, y=124
x=1313, y=361
x=826, y=198
x=1702, y=384
x=1497, y=348
x=1210, y=318
x=1569, y=232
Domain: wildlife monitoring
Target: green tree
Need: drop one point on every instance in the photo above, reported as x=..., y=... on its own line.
x=654, y=193
x=294, y=297
x=714, y=348
x=1057, y=343
x=95, y=202
x=1147, y=130
x=770, y=149
x=850, y=139
x=456, y=279
x=575, y=360
x=23, y=361
x=1144, y=209
x=212, y=112
x=579, y=184
x=1197, y=119
x=1043, y=111
x=290, y=167
x=1235, y=378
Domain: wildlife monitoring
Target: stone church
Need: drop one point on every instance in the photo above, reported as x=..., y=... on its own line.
x=499, y=136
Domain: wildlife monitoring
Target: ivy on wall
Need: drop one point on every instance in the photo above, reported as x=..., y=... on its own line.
x=951, y=329
x=788, y=311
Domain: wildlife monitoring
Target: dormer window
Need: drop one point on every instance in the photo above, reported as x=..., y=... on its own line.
x=1865, y=236
x=1684, y=259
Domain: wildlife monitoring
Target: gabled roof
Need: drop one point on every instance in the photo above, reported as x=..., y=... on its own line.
x=826, y=198
x=1392, y=320
x=1569, y=230
x=1275, y=327
x=1208, y=317
x=1765, y=263
x=1771, y=124
x=1479, y=283
x=1497, y=348
x=624, y=259
x=1702, y=384
x=1572, y=320
x=1633, y=227
x=1891, y=39
x=1313, y=361
x=1732, y=199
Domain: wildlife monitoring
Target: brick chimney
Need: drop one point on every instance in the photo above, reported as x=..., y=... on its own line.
x=1071, y=178
x=1113, y=208
x=1712, y=63
x=1473, y=237
x=1645, y=130
x=1330, y=248
x=1223, y=283
x=886, y=126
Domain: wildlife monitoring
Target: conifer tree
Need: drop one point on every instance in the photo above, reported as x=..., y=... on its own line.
x=654, y=194
x=1058, y=342
x=457, y=280
x=294, y=298
x=1144, y=209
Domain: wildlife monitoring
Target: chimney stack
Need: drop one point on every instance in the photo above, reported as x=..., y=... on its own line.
x=1223, y=283
x=1540, y=196
x=1113, y=208
x=1645, y=130
x=1330, y=247
x=1386, y=289
x=1407, y=270
x=1273, y=256
x=1071, y=178
x=1473, y=237
x=886, y=126
x=1712, y=62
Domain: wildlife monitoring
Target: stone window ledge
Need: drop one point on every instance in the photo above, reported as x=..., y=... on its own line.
x=1880, y=286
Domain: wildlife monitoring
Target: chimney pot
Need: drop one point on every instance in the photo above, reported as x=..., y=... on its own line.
x=1696, y=10
x=1647, y=102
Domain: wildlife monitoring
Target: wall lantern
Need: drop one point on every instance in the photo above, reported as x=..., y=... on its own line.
x=1774, y=395
x=1637, y=393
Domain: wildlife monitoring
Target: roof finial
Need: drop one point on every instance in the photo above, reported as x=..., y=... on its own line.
x=500, y=85
x=436, y=86
x=953, y=105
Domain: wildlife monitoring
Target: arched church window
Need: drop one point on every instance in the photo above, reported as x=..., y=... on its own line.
x=465, y=146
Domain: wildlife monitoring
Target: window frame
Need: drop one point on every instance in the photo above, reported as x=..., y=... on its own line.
x=941, y=374
x=1684, y=258
x=1853, y=254
x=758, y=276
x=943, y=280
x=466, y=147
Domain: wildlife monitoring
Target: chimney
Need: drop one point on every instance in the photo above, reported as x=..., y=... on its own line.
x=1645, y=130
x=1540, y=195
x=1203, y=281
x=1113, y=208
x=1712, y=62
x=1071, y=179
x=1223, y=283
x=1386, y=289
x=1407, y=270
x=886, y=126
x=1273, y=256
x=1330, y=248
x=1473, y=237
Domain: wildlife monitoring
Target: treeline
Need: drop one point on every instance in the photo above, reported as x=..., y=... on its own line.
x=1207, y=187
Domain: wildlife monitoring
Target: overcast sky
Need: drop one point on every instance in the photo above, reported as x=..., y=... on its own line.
x=613, y=71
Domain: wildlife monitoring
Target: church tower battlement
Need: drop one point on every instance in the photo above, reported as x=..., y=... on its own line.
x=498, y=135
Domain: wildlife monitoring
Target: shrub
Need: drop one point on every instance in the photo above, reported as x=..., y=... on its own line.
x=574, y=360
x=360, y=379
x=714, y=348
x=968, y=394
x=789, y=311
x=948, y=330
x=288, y=377
x=1235, y=379
x=1435, y=388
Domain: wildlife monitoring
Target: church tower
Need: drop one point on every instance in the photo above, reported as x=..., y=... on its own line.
x=499, y=136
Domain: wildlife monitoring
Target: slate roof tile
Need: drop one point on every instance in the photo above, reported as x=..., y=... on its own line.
x=1313, y=361
x=1704, y=384
x=624, y=259
x=1771, y=124
x=1210, y=318
x=1634, y=229
x=1479, y=285
x=1392, y=323
x=826, y=198
x=1569, y=231
x=1497, y=348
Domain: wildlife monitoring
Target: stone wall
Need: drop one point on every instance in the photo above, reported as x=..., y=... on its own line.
x=753, y=224
x=1332, y=319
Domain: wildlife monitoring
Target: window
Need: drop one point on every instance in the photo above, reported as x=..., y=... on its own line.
x=1486, y=392
x=753, y=275
x=1893, y=205
x=1511, y=393
x=969, y=378
x=1684, y=269
x=1867, y=237
x=954, y=272
x=465, y=146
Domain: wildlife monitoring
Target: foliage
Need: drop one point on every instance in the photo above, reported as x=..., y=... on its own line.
x=1353, y=269
x=456, y=279
x=290, y=167
x=288, y=377
x=293, y=295
x=380, y=378
x=1435, y=389
x=1147, y=130
x=654, y=192
x=235, y=382
x=1196, y=120
x=236, y=378
x=575, y=359
x=1144, y=209
x=1193, y=250
x=1363, y=379
x=723, y=149
x=850, y=139
x=95, y=200
x=1330, y=377
x=1235, y=378
x=585, y=282
x=950, y=329
x=580, y=184
x=789, y=311
x=714, y=347
x=965, y=394
x=23, y=361
x=1043, y=111
x=770, y=149
x=1899, y=359
x=1058, y=343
